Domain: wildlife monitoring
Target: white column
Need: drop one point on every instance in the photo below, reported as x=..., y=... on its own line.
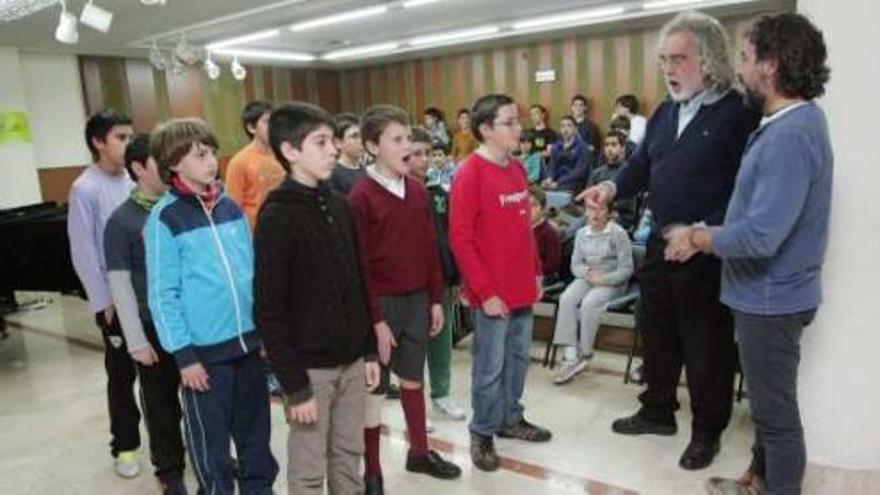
x=840, y=368
x=19, y=183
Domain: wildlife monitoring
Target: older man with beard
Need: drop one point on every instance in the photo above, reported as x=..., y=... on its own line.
x=688, y=162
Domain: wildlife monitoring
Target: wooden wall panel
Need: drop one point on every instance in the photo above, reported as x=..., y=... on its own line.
x=91, y=84
x=142, y=93
x=329, y=95
x=55, y=183
x=185, y=93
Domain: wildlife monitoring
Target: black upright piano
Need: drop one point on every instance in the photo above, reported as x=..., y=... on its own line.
x=34, y=252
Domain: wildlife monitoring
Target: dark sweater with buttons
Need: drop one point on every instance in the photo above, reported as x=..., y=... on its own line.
x=310, y=295
x=689, y=177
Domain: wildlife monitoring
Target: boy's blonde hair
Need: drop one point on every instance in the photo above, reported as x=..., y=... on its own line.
x=172, y=140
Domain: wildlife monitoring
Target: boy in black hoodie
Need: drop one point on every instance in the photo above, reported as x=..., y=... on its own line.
x=307, y=268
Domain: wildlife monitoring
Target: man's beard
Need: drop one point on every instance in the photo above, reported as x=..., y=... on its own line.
x=754, y=99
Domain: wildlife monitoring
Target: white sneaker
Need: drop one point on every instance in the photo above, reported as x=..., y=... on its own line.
x=570, y=369
x=447, y=406
x=127, y=464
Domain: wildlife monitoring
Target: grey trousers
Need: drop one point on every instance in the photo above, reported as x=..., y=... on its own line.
x=332, y=448
x=770, y=350
x=584, y=302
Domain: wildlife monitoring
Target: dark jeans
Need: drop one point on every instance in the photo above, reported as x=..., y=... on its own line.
x=121, y=374
x=686, y=325
x=236, y=406
x=770, y=350
x=160, y=384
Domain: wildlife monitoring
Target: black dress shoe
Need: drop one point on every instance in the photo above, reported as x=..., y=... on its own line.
x=373, y=485
x=699, y=455
x=393, y=392
x=432, y=465
x=638, y=425
x=483, y=454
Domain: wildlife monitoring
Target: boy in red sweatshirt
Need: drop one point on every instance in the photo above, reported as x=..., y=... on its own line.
x=491, y=235
x=399, y=248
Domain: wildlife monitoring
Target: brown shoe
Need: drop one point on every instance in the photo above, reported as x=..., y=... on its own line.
x=742, y=486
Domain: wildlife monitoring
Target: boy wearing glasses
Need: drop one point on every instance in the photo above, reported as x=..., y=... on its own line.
x=491, y=235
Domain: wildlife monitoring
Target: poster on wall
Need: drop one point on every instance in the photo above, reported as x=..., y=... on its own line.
x=14, y=128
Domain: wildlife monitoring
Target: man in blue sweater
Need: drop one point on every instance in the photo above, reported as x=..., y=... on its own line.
x=688, y=163
x=773, y=239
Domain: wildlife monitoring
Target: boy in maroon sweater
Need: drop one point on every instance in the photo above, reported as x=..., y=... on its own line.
x=491, y=235
x=404, y=280
x=548, y=241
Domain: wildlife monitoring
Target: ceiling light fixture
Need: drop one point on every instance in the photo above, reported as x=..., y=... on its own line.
x=185, y=52
x=66, y=31
x=410, y=4
x=248, y=38
x=264, y=54
x=96, y=17
x=211, y=67
x=157, y=58
x=662, y=4
x=153, y=2
x=570, y=17
x=338, y=18
x=440, y=38
x=362, y=51
x=238, y=70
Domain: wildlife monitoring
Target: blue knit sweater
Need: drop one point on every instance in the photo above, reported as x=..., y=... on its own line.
x=776, y=229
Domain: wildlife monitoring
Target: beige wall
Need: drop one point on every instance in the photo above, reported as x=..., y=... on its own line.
x=18, y=167
x=840, y=395
x=53, y=92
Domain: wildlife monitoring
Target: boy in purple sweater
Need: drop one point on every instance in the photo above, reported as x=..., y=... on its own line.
x=95, y=194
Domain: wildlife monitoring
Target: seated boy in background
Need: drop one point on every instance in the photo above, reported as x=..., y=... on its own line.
x=547, y=238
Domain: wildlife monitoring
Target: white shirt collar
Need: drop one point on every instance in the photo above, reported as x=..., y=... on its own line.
x=396, y=187
x=779, y=113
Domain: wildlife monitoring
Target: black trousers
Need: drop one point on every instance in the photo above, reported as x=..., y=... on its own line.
x=121, y=374
x=160, y=384
x=686, y=325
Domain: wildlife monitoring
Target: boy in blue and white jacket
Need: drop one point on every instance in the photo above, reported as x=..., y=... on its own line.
x=200, y=288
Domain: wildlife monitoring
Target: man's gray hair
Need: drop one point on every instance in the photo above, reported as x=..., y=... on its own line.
x=714, y=45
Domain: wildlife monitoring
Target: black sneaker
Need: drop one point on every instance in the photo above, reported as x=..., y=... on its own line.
x=373, y=485
x=432, y=465
x=526, y=431
x=639, y=425
x=483, y=454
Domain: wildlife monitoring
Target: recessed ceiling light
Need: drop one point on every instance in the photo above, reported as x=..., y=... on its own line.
x=569, y=17
x=409, y=4
x=248, y=38
x=265, y=54
x=341, y=17
x=662, y=4
x=433, y=39
x=361, y=51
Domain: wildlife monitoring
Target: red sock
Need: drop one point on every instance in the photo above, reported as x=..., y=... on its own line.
x=413, y=402
x=372, y=466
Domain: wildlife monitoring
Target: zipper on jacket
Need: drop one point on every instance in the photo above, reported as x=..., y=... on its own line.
x=228, y=270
